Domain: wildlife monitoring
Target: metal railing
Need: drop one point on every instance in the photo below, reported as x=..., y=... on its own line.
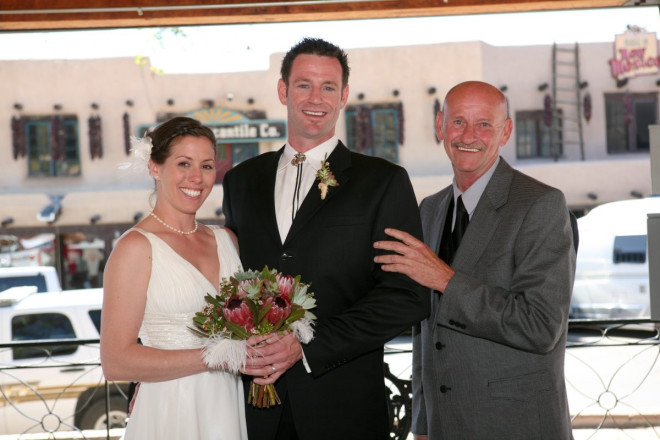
x=45, y=393
x=612, y=377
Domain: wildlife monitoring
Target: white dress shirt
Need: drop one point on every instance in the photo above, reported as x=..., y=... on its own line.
x=285, y=184
x=285, y=181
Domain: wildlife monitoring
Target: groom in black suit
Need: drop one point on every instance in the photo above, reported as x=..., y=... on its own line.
x=331, y=388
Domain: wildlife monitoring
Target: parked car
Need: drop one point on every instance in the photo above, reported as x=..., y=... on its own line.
x=57, y=386
x=37, y=250
x=612, y=274
x=45, y=278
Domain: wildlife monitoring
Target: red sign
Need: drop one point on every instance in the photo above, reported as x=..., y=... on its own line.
x=635, y=53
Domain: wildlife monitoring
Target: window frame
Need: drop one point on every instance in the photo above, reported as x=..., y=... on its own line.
x=375, y=131
x=541, y=130
x=39, y=147
x=621, y=136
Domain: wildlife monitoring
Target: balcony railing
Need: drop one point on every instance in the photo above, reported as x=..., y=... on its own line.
x=43, y=392
x=612, y=377
x=612, y=380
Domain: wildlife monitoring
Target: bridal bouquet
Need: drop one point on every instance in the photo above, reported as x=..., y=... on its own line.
x=253, y=303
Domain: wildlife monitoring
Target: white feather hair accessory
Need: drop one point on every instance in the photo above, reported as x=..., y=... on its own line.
x=140, y=154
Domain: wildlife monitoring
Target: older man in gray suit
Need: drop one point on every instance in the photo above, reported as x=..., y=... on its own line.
x=488, y=363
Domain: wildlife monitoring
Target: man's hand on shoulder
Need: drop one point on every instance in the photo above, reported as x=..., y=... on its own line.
x=415, y=259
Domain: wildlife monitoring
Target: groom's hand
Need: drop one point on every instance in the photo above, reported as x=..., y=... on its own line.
x=270, y=356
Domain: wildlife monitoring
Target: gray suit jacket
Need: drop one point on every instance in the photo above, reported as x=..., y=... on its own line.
x=489, y=361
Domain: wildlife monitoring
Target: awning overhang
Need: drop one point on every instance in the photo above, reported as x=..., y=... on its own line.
x=90, y=207
x=86, y=14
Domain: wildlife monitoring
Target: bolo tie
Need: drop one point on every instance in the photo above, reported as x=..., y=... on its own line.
x=297, y=162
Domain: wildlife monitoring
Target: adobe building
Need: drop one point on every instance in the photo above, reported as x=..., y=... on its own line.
x=581, y=116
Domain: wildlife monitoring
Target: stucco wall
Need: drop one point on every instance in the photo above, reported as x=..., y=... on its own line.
x=376, y=73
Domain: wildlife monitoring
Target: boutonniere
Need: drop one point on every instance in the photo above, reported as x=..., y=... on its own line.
x=326, y=177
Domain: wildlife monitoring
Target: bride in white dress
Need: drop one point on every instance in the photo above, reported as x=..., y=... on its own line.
x=154, y=282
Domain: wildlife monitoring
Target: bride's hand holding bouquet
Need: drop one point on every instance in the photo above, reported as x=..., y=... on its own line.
x=255, y=324
x=271, y=356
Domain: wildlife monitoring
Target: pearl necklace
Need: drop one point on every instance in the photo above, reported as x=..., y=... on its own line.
x=179, y=231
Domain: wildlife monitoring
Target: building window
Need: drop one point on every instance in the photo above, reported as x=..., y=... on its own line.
x=244, y=151
x=375, y=130
x=52, y=146
x=533, y=138
x=230, y=155
x=83, y=261
x=628, y=116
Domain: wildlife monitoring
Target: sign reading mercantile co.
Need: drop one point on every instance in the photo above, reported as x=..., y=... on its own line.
x=245, y=130
x=249, y=131
x=233, y=127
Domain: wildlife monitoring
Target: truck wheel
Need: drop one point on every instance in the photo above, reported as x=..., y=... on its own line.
x=94, y=416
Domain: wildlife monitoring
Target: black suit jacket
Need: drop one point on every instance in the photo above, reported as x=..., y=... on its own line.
x=359, y=307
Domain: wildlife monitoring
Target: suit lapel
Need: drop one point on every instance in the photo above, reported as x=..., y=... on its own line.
x=433, y=227
x=340, y=161
x=483, y=224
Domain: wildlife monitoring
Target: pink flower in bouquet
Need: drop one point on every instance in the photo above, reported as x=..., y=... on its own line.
x=237, y=311
x=243, y=288
x=280, y=308
x=285, y=284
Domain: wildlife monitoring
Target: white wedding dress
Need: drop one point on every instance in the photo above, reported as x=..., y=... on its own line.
x=205, y=406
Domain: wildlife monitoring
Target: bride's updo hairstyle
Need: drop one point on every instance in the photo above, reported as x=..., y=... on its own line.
x=163, y=136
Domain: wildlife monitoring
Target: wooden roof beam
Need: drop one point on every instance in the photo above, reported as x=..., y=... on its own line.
x=82, y=14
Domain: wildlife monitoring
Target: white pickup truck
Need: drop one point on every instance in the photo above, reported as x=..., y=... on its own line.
x=43, y=277
x=51, y=387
